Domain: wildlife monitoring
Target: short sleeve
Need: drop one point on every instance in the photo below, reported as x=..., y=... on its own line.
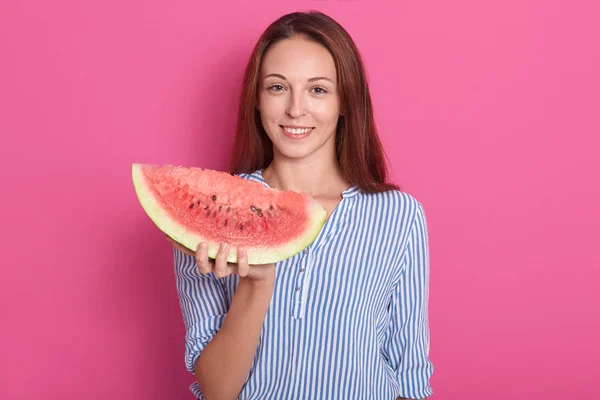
x=406, y=346
x=203, y=306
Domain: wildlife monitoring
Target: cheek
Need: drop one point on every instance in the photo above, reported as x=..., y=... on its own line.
x=271, y=106
x=326, y=112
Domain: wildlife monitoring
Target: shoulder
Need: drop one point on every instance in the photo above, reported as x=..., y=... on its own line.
x=401, y=206
x=255, y=176
x=250, y=175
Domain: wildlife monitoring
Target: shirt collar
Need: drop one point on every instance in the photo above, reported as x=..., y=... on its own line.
x=350, y=192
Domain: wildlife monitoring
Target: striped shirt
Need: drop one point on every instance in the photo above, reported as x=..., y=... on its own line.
x=348, y=318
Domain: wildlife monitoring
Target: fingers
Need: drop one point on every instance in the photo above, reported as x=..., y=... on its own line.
x=242, y=262
x=205, y=266
x=221, y=267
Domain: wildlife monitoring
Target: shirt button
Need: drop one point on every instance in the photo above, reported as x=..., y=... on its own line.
x=301, y=269
x=297, y=288
x=305, y=251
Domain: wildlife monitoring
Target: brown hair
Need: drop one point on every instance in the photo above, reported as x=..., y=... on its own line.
x=358, y=148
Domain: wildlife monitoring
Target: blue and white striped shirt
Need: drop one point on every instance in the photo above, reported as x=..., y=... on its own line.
x=349, y=315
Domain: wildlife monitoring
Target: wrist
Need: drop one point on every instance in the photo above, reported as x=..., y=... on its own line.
x=261, y=276
x=257, y=284
x=253, y=294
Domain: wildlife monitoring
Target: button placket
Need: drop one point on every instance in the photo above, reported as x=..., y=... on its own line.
x=300, y=285
x=301, y=276
x=303, y=261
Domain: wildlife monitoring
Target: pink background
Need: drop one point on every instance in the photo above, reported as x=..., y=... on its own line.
x=490, y=114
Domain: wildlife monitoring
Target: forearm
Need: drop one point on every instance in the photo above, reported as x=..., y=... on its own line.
x=225, y=362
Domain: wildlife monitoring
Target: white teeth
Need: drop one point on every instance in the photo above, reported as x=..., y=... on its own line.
x=297, y=131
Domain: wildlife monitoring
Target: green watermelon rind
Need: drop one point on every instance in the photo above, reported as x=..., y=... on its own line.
x=317, y=217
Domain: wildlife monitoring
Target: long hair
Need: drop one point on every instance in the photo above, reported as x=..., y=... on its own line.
x=358, y=148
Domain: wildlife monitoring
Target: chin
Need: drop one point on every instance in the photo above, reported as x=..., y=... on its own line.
x=303, y=148
x=295, y=154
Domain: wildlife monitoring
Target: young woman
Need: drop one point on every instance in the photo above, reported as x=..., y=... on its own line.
x=347, y=317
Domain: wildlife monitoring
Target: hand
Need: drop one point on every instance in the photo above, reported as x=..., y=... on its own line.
x=222, y=268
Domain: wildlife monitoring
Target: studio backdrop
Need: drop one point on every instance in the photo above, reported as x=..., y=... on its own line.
x=489, y=114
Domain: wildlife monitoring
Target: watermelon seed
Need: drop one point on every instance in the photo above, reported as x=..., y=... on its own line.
x=271, y=207
x=220, y=208
x=241, y=226
x=205, y=207
x=192, y=205
x=225, y=222
x=198, y=202
x=228, y=208
x=214, y=198
x=260, y=214
x=252, y=208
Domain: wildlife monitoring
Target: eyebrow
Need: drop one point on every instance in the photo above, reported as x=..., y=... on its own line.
x=316, y=78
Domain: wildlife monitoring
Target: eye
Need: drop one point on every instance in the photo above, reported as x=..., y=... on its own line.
x=319, y=90
x=276, y=88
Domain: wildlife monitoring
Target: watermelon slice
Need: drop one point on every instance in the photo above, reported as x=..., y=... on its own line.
x=193, y=205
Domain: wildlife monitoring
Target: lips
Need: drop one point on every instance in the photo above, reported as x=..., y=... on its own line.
x=296, y=132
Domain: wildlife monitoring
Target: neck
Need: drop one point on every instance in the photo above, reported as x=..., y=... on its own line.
x=314, y=177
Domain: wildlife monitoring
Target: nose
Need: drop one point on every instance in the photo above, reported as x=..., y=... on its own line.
x=296, y=107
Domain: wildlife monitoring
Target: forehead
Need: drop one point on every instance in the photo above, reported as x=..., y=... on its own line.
x=298, y=58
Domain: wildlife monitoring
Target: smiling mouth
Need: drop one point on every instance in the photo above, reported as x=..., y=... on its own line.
x=296, y=131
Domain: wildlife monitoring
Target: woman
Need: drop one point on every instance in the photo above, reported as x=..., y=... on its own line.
x=347, y=317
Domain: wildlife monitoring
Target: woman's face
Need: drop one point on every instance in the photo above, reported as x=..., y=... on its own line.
x=298, y=99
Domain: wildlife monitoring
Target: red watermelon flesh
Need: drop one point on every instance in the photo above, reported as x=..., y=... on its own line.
x=193, y=205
